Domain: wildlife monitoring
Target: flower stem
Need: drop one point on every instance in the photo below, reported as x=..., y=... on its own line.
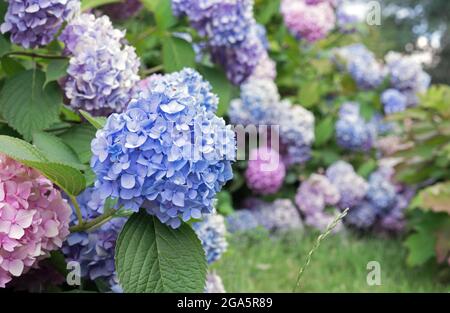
x=319, y=239
x=77, y=210
x=94, y=223
x=35, y=55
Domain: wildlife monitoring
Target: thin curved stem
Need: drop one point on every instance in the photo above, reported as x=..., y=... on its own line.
x=36, y=55
x=94, y=223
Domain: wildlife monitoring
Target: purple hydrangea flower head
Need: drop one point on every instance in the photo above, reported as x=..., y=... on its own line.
x=406, y=73
x=168, y=152
x=306, y=20
x=320, y=220
x=352, y=131
x=239, y=61
x=102, y=71
x=352, y=187
x=393, y=101
x=265, y=171
x=212, y=234
x=234, y=39
x=214, y=283
x=363, y=216
x=278, y=216
x=34, y=23
x=315, y=193
x=94, y=250
x=122, y=10
x=241, y=221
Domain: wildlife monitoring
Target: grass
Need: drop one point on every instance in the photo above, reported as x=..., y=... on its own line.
x=262, y=264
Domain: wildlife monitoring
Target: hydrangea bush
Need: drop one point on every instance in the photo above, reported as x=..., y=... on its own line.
x=120, y=126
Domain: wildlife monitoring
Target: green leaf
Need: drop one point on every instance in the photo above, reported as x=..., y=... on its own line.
x=5, y=46
x=367, y=167
x=11, y=67
x=162, y=10
x=56, y=150
x=97, y=121
x=177, y=54
x=152, y=257
x=224, y=203
x=309, y=94
x=68, y=178
x=55, y=70
x=79, y=138
x=267, y=10
x=421, y=248
x=436, y=198
x=221, y=86
x=324, y=131
x=26, y=105
x=90, y=4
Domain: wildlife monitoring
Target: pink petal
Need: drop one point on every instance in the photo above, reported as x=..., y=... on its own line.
x=24, y=218
x=16, y=267
x=51, y=228
x=16, y=232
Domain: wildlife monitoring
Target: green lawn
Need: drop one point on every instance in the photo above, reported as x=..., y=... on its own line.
x=263, y=264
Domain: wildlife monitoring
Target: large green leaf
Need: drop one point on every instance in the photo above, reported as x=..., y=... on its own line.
x=324, y=131
x=27, y=105
x=152, y=257
x=55, y=70
x=68, y=178
x=97, y=121
x=56, y=150
x=79, y=138
x=421, y=248
x=177, y=54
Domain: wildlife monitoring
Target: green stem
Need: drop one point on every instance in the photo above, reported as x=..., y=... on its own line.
x=152, y=70
x=319, y=239
x=36, y=55
x=94, y=223
x=77, y=210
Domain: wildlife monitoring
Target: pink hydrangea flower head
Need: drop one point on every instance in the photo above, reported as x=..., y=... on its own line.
x=265, y=172
x=34, y=218
x=309, y=21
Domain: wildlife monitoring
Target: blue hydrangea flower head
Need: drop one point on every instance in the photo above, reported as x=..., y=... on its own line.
x=362, y=216
x=393, y=101
x=34, y=23
x=352, y=131
x=241, y=221
x=381, y=192
x=212, y=234
x=168, y=152
x=102, y=70
x=278, y=216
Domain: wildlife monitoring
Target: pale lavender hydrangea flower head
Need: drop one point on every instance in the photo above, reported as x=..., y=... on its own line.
x=352, y=187
x=102, y=70
x=168, y=152
x=214, y=283
x=34, y=23
x=315, y=193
